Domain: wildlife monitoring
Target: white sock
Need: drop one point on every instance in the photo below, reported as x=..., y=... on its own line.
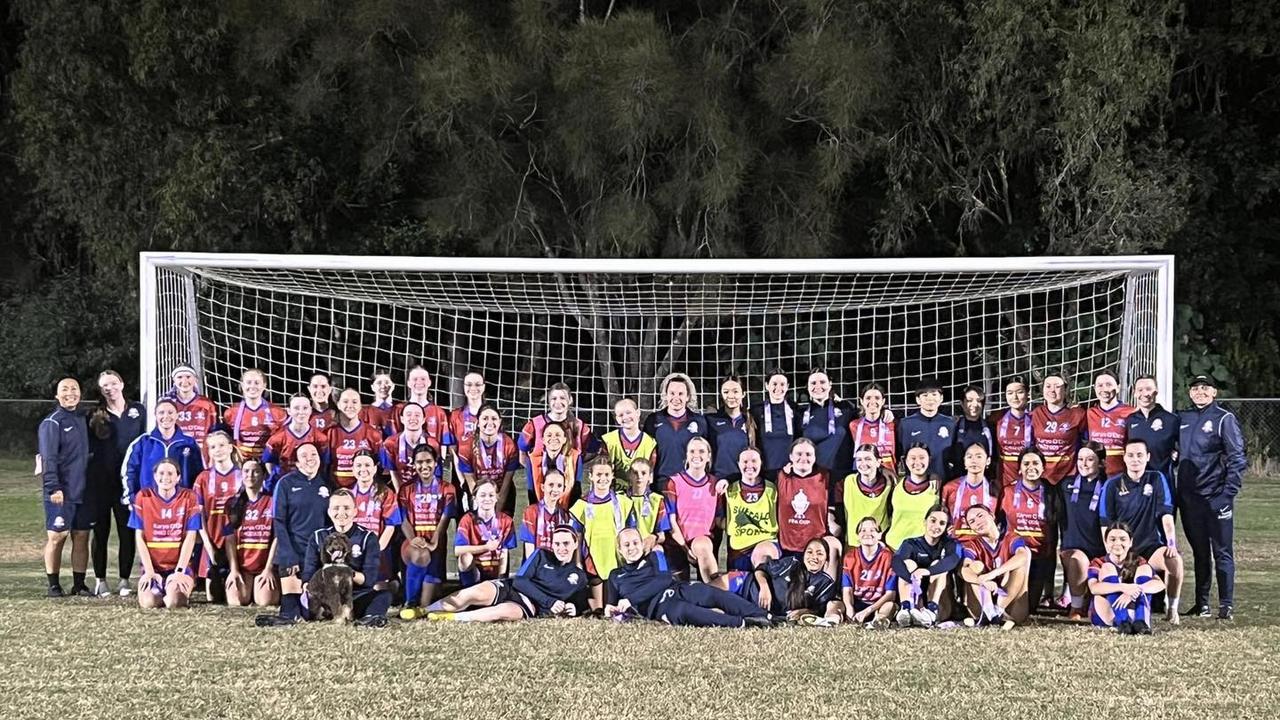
x=1077, y=603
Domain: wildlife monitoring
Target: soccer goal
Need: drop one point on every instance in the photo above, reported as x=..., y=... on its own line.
x=613, y=327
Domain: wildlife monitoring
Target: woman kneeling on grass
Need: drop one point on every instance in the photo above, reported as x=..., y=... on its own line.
x=550, y=584
x=995, y=572
x=923, y=566
x=249, y=542
x=1122, y=584
x=166, y=519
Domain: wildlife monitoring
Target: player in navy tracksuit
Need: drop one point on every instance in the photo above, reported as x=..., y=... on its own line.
x=369, y=605
x=1154, y=425
x=1143, y=500
x=776, y=421
x=673, y=426
x=300, y=507
x=931, y=427
x=825, y=421
x=923, y=566
x=972, y=427
x=1210, y=470
x=643, y=584
x=550, y=584
x=64, y=457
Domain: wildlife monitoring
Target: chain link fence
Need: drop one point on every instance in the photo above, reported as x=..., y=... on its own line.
x=18, y=422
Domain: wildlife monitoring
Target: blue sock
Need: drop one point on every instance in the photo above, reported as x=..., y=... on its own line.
x=906, y=605
x=1122, y=615
x=291, y=606
x=931, y=606
x=1142, y=609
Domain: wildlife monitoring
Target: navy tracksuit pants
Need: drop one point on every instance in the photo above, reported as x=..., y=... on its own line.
x=1211, y=533
x=696, y=603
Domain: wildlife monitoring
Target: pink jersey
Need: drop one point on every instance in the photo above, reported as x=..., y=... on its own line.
x=695, y=503
x=878, y=433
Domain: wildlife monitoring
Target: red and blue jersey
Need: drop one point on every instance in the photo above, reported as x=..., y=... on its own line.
x=435, y=424
x=213, y=490
x=165, y=524
x=539, y=522
x=323, y=419
x=1095, y=568
x=489, y=461
x=282, y=450
x=959, y=495
x=1012, y=436
x=879, y=433
x=197, y=417
x=992, y=555
x=253, y=535
x=252, y=427
x=428, y=506
x=869, y=577
x=1026, y=514
x=531, y=435
x=376, y=509
x=1110, y=429
x=473, y=530
x=343, y=446
x=462, y=425
x=379, y=416
x=397, y=456
x=1058, y=435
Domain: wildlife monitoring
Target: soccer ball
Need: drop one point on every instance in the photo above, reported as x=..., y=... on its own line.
x=414, y=552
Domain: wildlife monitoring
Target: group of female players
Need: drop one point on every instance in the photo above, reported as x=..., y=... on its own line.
x=827, y=511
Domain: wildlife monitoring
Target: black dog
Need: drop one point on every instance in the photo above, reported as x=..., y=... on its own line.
x=329, y=590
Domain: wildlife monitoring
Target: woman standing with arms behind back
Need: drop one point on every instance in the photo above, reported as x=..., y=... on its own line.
x=113, y=425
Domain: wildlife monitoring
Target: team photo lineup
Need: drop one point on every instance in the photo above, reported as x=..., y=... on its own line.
x=712, y=513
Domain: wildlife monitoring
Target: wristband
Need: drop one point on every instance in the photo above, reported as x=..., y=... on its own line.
x=181, y=570
x=1172, y=544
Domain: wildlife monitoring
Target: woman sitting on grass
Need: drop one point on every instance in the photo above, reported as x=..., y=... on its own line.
x=1122, y=584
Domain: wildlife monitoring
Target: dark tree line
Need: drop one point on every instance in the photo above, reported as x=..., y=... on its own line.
x=634, y=129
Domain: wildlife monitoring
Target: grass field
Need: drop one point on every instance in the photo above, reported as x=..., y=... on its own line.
x=81, y=658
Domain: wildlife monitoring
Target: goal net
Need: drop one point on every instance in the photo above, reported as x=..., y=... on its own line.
x=611, y=328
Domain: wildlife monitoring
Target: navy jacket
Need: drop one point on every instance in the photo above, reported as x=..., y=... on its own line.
x=364, y=558
x=728, y=440
x=300, y=507
x=776, y=435
x=642, y=582
x=106, y=454
x=819, y=588
x=827, y=425
x=968, y=432
x=937, y=432
x=64, y=454
x=940, y=559
x=1159, y=430
x=147, y=450
x=1211, y=462
x=544, y=580
x=1140, y=504
x=673, y=438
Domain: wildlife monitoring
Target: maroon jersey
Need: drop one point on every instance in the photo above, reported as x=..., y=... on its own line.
x=1058, y=435
x=427, y=506
x=282, y=448
x=1110, y=428
x=435, y=424
x=1013, y=435
x=539, y=522
x=991, y=555
x=397, y=456
x=878, y=433
x=324, y=419
x=803, y=503
x=1025, y=515
x=165, y=524
x=253, y=535
x=376, y=509
x=343, y=446
x=958, y=496
x=869, y=578
x=197, y=418
x=213, y=490
x=251, y=427
x=462, y=425
x=474, y=531
x=489, y=461
x=382, y=417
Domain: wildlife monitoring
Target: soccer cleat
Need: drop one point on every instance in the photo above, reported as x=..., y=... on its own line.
x=409, y=613
x=1198, y=610
x=903, y=618
x=440, y=616
x=273, y=621
x=1008, y=624
x=1141, y=628
x=82, y=591
x=101, y=589
x=880, y=623
x=923, y=617
x=373, y=621
x=55, y=591
x=1226, y=612
x=755, y=621
x=122, y=589
x=1124, y=628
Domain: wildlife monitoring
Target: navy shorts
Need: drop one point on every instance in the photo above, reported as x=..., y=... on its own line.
x=507, y=593
x=67, y=516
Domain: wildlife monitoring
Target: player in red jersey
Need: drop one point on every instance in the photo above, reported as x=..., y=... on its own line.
x=805, y=507
x=972, y=488
x=490, y=455
x=541, y=518
x=559, y=410
x=1013, y=431
x=1107, y=422
x=166, y=520
x=320, y=390
x=869, y=585
x=1057, y=430
x=214, y=488
x=350, y=435
x=381, y=412
x=994, y=571
x=462, y=419
x=555, y=454
x=397, y=450
x=377, y=510
x=426, y=506
x=1032, y=512
x=197, y=414
x=874, y=426
x=249, y=539
x=1122, y=584
x=435, y=419
x=280, y=454
x=484, y=540
x=252, y=421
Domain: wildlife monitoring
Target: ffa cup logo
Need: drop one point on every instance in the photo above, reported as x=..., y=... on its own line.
x=942, y=432
x=799, y=504
x=1207, y=428
x=323, y=491
x=356, y=550
x=1157, y=425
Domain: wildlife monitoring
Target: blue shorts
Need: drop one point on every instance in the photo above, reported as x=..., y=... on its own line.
x=157, y=586
x=64, y=517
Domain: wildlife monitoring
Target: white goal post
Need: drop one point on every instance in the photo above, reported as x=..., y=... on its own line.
x=612, y=327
